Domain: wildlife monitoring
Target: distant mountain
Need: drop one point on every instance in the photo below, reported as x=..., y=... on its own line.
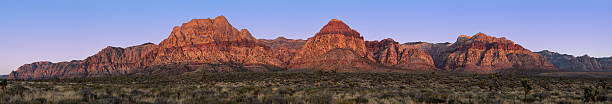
x=215, y=45
x=581, y=63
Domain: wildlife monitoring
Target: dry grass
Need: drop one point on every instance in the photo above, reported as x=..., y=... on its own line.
x=304, y=88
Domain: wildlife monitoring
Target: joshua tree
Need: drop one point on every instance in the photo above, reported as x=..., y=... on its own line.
x=590, y=94
x=526, y=87
x=496, y=84
x=4, y=83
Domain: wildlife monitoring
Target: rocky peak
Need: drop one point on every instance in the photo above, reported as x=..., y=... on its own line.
x=483, y=53
x=388, y=41
x=483, y=41
x=334, y=35
x=586, y=56
x=545, y=51
x=221, y=21
x=335, y=26
x=206, y=31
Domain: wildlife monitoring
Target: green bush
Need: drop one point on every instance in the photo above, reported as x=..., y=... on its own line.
x=590, y=94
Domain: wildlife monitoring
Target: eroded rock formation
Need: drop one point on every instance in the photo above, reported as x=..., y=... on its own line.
x=45, y=70
x=215, y=45
x=390, y=53
x=482, y=53
x=581, y=63
x=349, y=48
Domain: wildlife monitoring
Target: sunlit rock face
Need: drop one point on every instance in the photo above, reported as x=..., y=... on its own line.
x=44, y=70
x=215, y=45
x=483, y=53
x=338, y=47
x=404, y=56
x=213, y=41
x=282, y=48
x=317, y=53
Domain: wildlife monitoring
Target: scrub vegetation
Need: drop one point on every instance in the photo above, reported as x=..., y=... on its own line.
x=319, y=87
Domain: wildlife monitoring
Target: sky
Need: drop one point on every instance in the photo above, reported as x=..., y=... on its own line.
x=64, y=30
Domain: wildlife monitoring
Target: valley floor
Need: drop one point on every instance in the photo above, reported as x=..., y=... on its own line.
x=306, y=88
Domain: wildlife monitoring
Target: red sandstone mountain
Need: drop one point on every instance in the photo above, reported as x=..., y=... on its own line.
x=283, y=49
x=45, y=70
x=403, y=56
x=215, y=45
x=200, y=41
x=334, y=47
x=483, y=53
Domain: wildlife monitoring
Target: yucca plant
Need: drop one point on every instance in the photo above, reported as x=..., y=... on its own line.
x=526, y=87
x=590, y=94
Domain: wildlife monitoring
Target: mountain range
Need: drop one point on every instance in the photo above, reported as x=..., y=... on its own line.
x=215, y=45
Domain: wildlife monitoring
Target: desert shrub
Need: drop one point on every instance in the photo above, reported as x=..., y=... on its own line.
x=545, y=84
x=590, y=94
x=4, y=83
x=246, y=89
x=285, y=91
x=204, y=77
x=87, y=95
x=275, y=100
x=345, y=101
x=17, y=90
x=496, y=84
x=320, y=99
x=69, y=101
x=603, y=84
x=482, y=84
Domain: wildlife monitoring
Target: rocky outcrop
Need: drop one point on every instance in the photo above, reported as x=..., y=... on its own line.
x=283, y=49
x=213, y=41
x=207, y=31
x=485, y=54
x=44, y=69
x=606, y=63
x=197, y=42
x=566, y=62
x=117, y=60
x=215, y=45
x=338, y=47
x=390, y=53
x=334, y=35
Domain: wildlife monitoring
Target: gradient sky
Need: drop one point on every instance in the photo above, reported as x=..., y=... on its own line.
x=52, y=30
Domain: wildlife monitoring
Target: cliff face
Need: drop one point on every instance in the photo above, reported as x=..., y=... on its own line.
x=207, y=31
x=117, y=60
x=45, y=70
x=283, y=49
x=349, y=46
x=213, y=41
x=606, y=63
x=482, y=53
x=334, y=35
x=581, y=63
x=390, y=53
x=215, y=45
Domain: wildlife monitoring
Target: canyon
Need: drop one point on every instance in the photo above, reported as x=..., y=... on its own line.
x=215, y=45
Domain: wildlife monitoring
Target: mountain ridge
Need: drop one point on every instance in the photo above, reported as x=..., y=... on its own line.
x=200, y=43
